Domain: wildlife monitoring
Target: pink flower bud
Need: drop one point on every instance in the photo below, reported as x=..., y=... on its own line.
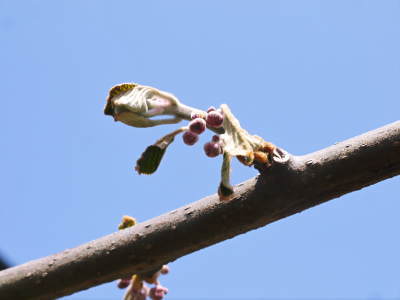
x=215, y=138
x=210, y=109
x=158, y=292
x=197, y=125
x=212, y=149
x=190, y=138
x=123, y=283
x=164, y=270
x=215, y=119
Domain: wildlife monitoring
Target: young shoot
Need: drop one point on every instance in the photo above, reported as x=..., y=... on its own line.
x=135, y=105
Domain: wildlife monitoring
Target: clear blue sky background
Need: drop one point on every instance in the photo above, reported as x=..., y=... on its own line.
x=302, y=74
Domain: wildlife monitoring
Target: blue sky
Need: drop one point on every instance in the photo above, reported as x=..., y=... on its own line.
x=302, y=74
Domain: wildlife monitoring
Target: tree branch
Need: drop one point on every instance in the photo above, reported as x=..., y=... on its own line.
x=289, y=186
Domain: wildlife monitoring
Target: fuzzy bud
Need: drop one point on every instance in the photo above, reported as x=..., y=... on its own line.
x=190, y=138
x=164, y=270
x=124, y=283
x=197, y=125
x=212, y=149
x=158, y=292
x=216, y=138
x=211, y=108
x=215, y=119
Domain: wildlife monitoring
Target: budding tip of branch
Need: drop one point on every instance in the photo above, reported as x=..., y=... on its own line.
x=225, y=193
x=127, y=221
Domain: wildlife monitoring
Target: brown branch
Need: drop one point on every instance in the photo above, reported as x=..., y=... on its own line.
x=288, y=187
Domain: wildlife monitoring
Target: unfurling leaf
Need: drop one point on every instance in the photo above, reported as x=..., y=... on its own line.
x=237, y=141
x=248, y=149
x=151, y=157
x=150, y=160
x=135, y=104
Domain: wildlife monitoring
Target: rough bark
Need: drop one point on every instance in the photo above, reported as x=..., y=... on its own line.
x=288, y=187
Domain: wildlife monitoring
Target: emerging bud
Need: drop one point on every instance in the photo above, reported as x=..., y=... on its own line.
x=158, y=292
x=216, y=138
x=197, y=125
x=151, y=157
x=215, y=119
x=190, y=138
x=164, y=270
x=135, y=104
x=127, y=221
x=124, y=283
x=210, y=109
x=212, y=149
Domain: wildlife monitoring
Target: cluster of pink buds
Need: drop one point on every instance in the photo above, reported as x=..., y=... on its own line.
x=139, y=290
x=158, y=292
x=213, y=148
x=213, y=119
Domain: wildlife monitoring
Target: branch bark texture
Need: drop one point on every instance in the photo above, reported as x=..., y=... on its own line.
x=289, y=186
